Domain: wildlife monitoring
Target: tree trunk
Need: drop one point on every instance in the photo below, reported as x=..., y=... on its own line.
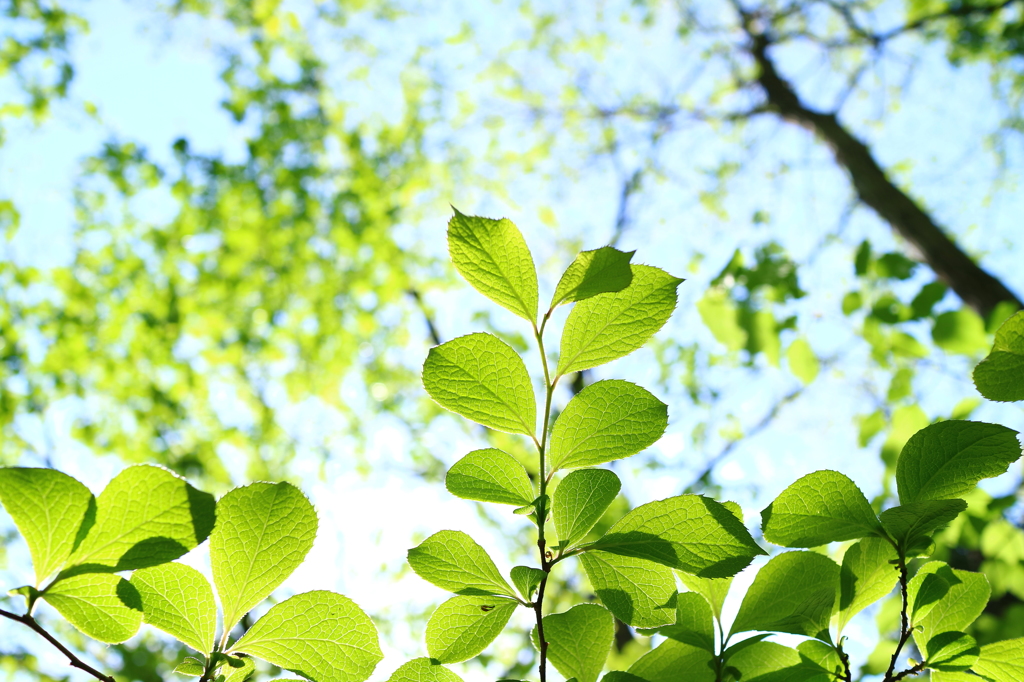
x=975, y=287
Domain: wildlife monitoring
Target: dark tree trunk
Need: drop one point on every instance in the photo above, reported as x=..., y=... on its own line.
x=975, y=287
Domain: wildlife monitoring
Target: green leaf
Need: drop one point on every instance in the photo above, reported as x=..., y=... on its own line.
x=771, y=662
x=694, y=623
x=263, y=532
x=601, y=271
x=579, y=640
x=794, y=592
x=609, y=326
x=580, y=501
x=960, y=331
x=1002, y=661
x=492, y=255
x=423, y=670
x=944, y=599
x=607, y=420
x=490, y=475
x=939, y=676
x=235, y=669
x=909, y=524
x=102, y=605
x=462, y=627
x=638, y=592
x=692, y=533
x=527, y=580
x=948, y=459
x=802, y=361
x=178, y=600
x=821, y=654
x=146, y=516
x=191, y=666
x=722, y=318
x=320, y=635
x=817, y=509
x=48, y=507
x=673, y=661
x=1000, y=376
x=714, y=590
x=481, y=378
x=452, y=561
x=867, y=575
x=952, y=652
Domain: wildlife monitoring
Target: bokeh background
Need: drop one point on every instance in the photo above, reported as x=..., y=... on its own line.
x=223, y=251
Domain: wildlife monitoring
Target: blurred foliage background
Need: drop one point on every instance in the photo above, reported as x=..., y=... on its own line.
x=248, y=292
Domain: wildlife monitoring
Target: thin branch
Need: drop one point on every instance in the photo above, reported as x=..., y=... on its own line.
x=75, y=661
x=427, y=316
x=904, y=626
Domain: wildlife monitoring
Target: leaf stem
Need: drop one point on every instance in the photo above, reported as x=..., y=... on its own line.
x=542, y=510
x=904, y=625
x=75, y=661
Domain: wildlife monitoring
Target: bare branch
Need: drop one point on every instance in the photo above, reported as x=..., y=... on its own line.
x=75, y=661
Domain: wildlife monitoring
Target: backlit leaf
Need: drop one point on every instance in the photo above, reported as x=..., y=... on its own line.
x=144, y=517
x=673, y=661
x=600, y=271
x=423, y=670
x=481, y=378
x=694, y=623
x=235, y=669
x=819, y=508
x=944, y=599
x=609, y=326
x=803, y=363
x=527, y=580
x=579, y=502
x=1000, y=376
x=463, y=626
x=178, y=600
x=772, y=662
x=638, y=592
x=947, y=459
x=714, y=590
x=492, y=255
x=263, y=532
x=320, y=635
x=794, y=592
x=909, y=524
x=1002, y=661
x=579, y=640
x=452, y=561
x=191, y=666
x=952, y=652
x=607, y=420
x=866, y=576
x=102, y=605
x=490, y=475
x=48, y=507
x=692, y=533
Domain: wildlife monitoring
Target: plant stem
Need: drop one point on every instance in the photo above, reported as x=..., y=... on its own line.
x=542, y=510
x=75, y=661
x=847, y=675
x=904, y=625
x=909, y=671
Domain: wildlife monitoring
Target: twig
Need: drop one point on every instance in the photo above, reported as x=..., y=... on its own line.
x=904, y=628
x=431, y=327
x=75, y=661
